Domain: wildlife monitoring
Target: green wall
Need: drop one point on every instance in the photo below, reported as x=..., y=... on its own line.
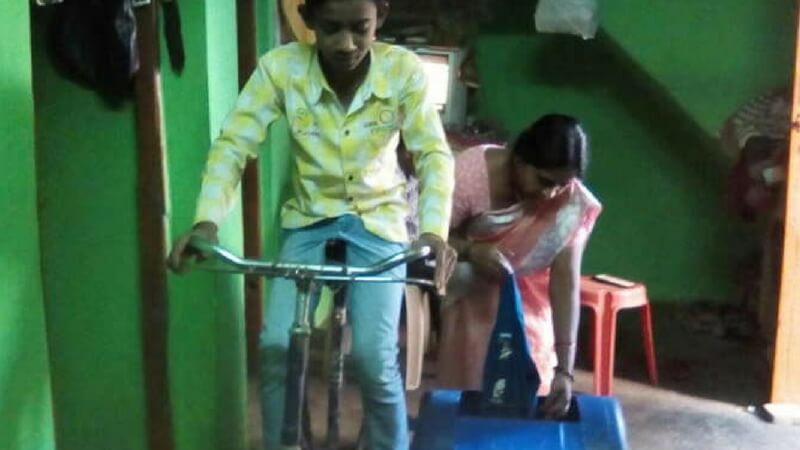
x=26, y=406
x=86, y=175
x=86, y=179
x=652, y=89
x=207, y=312
x=206, y=343
x=710, y=56
x=655, y=172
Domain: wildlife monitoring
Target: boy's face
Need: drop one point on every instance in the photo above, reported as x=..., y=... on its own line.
x=345, y=30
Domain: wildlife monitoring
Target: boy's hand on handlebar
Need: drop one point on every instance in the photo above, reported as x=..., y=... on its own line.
x=182, y=253
x=445, y=260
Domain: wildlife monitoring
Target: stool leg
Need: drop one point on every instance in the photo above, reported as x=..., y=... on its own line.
x=587, y=339
x=649, y=345
x=609, y=332
x=597, y=348
x=415, y=336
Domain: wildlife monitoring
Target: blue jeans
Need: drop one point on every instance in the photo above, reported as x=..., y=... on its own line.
x=373, y=315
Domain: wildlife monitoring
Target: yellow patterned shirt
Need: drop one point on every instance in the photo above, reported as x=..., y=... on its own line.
x=344, y=161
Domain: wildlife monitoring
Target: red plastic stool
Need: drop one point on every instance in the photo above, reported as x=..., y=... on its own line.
x=605, y=300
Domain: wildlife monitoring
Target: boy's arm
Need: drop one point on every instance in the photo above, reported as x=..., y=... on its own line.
x=425, y=140
x=243, y=130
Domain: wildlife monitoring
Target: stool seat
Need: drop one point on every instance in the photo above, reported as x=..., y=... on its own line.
x=593, y=291
x=606, y=300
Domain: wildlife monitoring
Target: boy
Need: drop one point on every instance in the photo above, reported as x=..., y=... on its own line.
x=347, y=99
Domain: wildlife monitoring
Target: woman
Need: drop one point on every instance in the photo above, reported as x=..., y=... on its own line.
x=525, y=211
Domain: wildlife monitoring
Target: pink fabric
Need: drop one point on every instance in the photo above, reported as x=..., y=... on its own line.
x=530, y=235
x=471, y=196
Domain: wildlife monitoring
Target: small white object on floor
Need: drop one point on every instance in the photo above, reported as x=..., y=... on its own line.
x=784, y=413
x=778, y=413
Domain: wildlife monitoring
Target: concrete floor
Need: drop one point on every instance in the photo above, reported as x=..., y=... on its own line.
x=706, y=381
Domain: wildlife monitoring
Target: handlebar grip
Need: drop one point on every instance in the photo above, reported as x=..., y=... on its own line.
x=423, y=267
x=212, y=248
x=426, y=253
x=202, y=245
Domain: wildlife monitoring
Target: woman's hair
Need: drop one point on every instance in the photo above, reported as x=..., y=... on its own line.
x=555, y=141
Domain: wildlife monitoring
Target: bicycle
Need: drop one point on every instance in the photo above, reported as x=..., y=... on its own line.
x=309, y=278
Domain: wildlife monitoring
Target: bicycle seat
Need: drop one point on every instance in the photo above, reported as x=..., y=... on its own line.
x=336, y=251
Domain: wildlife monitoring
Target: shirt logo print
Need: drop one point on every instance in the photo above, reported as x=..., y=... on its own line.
x=303, y=124
x=385, y=122
x=387, y=116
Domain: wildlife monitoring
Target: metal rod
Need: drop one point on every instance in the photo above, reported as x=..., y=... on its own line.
x=318, y=271
x=336, y=374
x=297, y=367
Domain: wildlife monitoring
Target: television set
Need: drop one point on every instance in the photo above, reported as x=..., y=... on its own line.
x=446, y=90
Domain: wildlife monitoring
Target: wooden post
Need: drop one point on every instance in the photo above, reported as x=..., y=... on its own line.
x=251, y=190
x=151, y=205
x=786, y=366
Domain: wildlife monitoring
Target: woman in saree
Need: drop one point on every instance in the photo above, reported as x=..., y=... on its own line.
x=526, y=212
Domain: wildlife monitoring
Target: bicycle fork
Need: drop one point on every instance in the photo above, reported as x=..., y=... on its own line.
x=336, y=371
x=297, y=368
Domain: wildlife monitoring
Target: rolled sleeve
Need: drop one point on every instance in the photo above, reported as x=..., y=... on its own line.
x=425, y=140
x=242, y=132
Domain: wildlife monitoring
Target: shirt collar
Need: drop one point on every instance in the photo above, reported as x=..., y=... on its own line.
x=376, y=83
x=316, y=79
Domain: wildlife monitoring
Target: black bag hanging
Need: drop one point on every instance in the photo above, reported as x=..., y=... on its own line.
x=172, y=31
x=93, y=43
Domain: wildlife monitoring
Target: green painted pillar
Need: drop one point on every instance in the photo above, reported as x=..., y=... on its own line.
x=26, y=406
x=86, y=176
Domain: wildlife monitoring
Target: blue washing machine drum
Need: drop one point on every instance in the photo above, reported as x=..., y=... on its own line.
x=503, y=416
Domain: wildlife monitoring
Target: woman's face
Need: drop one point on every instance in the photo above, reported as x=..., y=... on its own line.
x=530, y=182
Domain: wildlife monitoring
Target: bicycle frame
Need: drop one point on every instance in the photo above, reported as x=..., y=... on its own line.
x=308, y=278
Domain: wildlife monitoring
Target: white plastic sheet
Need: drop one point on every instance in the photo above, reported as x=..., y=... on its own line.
x=579, y=17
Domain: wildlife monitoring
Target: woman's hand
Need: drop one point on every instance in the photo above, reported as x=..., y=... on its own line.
x=488, y=260
x=565, y=302
x=182, y=254
x=557, y=403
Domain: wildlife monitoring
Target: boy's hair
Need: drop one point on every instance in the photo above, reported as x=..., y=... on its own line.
x=312, y=5
x=555, y=141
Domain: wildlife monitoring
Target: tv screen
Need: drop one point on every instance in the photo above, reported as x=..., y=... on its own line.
x=437, y=68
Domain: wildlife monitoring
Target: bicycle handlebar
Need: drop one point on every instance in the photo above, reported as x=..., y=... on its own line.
x=320, y=272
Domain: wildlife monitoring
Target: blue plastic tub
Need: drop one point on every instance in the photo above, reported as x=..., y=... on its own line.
x=445, y=423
